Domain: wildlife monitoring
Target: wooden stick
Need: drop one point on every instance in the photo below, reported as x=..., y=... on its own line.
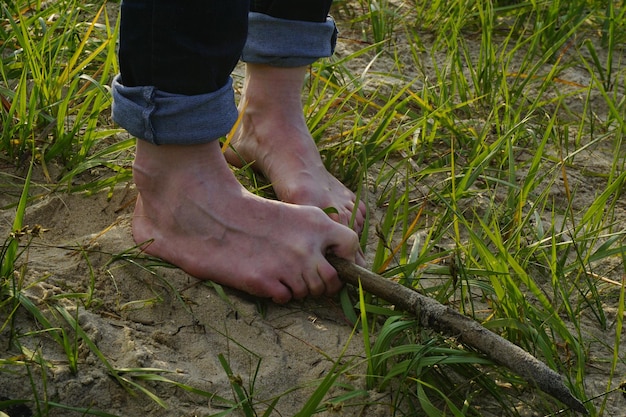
x=436, y=316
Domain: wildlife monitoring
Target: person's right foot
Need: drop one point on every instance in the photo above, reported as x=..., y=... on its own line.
x=192, y=212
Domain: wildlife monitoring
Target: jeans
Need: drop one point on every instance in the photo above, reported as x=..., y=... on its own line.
x=176, y=57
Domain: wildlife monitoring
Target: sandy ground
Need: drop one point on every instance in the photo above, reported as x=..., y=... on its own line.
x=161, y=318
x=164, y=319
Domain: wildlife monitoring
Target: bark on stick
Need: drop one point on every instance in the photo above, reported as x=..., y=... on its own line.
x=438, y=317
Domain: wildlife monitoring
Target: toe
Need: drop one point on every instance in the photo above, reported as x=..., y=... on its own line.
x=332, y=283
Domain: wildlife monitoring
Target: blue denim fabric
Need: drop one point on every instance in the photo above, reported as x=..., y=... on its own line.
x=306, y=10
x=287, y=43
x=165, y=118
x=181, y=46
x=160, y=117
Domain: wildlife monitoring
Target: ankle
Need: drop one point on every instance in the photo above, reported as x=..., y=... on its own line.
x=270, y=73
x=160, y=166
x=281, y=87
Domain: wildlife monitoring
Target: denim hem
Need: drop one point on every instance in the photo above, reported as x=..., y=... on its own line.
x=287, y=43
x=163, y=118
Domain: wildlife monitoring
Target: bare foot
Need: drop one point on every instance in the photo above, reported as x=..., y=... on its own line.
x=193, y=213
x=274, y=137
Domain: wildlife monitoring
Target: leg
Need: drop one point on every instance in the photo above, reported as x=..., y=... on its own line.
x=191, y=211
x=303, y=10
x=274, y=135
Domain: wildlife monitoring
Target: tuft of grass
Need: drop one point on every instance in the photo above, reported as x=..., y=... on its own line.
x=487, y=140
x=57, y=64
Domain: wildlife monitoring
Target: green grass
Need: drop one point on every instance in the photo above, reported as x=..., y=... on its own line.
x=57, y=63
x=463, y=122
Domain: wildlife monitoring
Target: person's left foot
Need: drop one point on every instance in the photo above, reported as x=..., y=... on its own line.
x=273, y=136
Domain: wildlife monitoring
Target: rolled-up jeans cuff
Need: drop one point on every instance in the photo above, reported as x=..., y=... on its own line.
x=287, y=43
x=163, y=118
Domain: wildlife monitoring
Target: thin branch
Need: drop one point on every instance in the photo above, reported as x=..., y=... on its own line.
x=436, y=316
